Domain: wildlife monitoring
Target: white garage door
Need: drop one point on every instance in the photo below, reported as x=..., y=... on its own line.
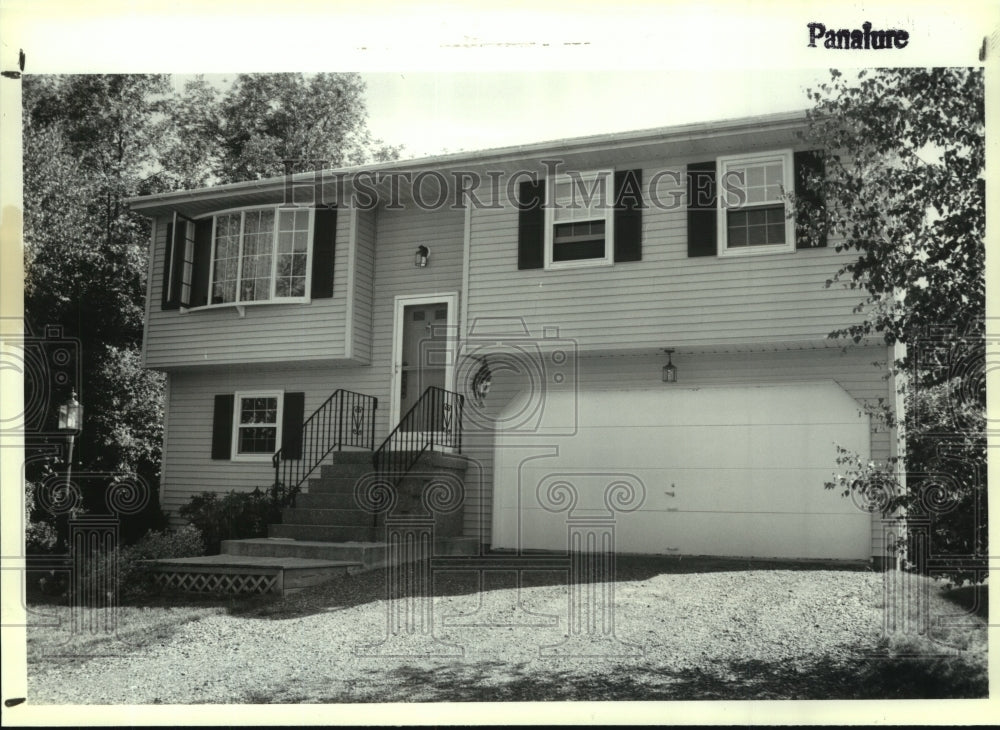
x=719, y=471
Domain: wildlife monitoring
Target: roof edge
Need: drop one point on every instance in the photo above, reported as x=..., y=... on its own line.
x=578, y=144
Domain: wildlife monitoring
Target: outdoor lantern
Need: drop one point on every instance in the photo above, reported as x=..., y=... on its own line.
x=70, y=421
x=669, y=370
x=70, y=414
x=420, y=259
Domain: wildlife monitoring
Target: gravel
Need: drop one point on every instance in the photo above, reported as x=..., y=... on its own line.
x=682, y=630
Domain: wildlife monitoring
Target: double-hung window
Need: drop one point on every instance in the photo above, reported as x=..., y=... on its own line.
x=579, y=228
x=261, y=255
x=752, y=213
x=256, y=424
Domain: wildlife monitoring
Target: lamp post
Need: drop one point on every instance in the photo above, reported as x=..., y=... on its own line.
x=70, y=422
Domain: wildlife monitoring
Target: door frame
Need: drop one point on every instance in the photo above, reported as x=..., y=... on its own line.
x=399, y=304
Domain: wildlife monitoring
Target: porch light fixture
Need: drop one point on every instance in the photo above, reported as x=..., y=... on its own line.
x=420, y=258
x=669, y=370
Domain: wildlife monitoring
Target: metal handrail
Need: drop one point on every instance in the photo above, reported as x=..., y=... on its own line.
x=344, y=419
x=434, y=420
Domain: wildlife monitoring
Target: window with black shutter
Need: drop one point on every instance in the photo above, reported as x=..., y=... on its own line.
x=253, y=425
x=580, y=219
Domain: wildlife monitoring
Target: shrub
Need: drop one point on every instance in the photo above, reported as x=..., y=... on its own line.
x=40, y=535
x=133, y=577
x=233, y=516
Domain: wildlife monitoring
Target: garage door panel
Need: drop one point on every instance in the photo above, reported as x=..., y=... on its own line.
x=706, y=489
x=840, y=537
x=729, y=470
x=754, y=447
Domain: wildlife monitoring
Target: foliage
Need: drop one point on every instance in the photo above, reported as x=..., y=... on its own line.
x=904, y=155
x=127, y=566
x=39, y=532
x=905, y=189
x=90, y=143
x=249, y=130
x=233, y=516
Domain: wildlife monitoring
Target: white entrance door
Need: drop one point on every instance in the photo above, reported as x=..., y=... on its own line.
x=424, y=345
x=425, y=329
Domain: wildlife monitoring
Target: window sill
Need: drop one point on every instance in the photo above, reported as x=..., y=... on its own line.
x=581, y=264
x=241, y=306
x=253, y=458
x=756, y=251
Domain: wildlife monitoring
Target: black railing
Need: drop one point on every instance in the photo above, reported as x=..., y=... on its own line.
x=435, y=420
x=346, y=418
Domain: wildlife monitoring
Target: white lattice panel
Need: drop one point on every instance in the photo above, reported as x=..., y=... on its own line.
x=217, y=582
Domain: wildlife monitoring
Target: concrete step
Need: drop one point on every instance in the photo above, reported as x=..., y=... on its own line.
x=350, y=470
x=327, y=533
x=311, y=516
x=337, y=483
x=230, y=573
x=326, y=500
x=370, y=554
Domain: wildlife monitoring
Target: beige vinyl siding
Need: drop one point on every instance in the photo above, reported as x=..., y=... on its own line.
x=399, y=234
x=267, y=332
x=188, y=449
x=666, y=297
x=189, y=415
x=853, y=370
x=364, y=277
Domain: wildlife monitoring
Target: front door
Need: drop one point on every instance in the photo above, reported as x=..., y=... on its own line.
x=424, y=358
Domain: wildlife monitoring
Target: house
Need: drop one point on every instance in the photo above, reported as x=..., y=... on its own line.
x=521, y=300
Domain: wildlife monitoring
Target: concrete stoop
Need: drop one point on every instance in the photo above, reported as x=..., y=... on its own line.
x=325, y=534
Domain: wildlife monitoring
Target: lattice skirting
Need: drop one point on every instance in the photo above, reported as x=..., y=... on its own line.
x=217, y=582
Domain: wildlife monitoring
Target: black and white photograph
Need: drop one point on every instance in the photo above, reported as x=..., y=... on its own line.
x=417, y=364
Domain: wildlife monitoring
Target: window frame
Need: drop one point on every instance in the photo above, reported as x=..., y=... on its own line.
x=238, y=397
x=722, y=166
x=608, y=219
x=306, y=298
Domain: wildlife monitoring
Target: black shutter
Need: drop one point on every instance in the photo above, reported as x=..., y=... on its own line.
x=807, y=164
x=222, y=427
x=531, y=225
x=628, y=215
x=166, y=301
x=701, y=213
x=324, y=235
x=291, y=425
x=201, y=263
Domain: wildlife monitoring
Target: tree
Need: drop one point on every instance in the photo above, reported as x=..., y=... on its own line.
x=262, y=120
x=904, y=186
x=90, y=143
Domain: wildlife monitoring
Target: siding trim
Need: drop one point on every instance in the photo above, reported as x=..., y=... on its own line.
x=149, y=296
x=165, y=448
x=352, y=245
x=466, y=265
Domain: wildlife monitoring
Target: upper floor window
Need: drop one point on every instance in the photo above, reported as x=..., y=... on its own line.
x=246, y=256
x=261, y=255
x=579, y=228
x=752, y=214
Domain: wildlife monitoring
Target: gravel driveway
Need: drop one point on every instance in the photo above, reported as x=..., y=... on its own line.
x=697, y=631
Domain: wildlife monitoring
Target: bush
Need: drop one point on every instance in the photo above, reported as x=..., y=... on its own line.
x=133, y=577
x=40, y=536
x=233, y=516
